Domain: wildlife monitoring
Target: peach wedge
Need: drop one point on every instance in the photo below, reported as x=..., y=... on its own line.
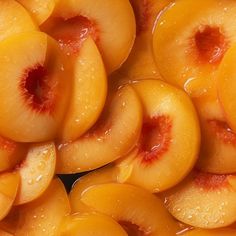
x=89, y=89
x=170, y=123
x=203, y=200
x=36, y=172
x=227, y=85
x=201, y=44
x=40, y=10
x=45, y=215
x=9, y=183
x=134, y=208
x=91, y=224
x=212, y=232
x=31, y=87
x=114, y=135
x=74, y=20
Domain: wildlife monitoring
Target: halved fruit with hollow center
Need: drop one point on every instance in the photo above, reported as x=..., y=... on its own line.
x=11, y=153
x=113, y=136
x=43, y=216
x=8, y=188
x=140, y=63
x=91, y=224
x=72, y=21
x=203, y=200
x=211, y=232
x=200, y=36
x=226, y=81
x=33, y=87
x=89, y=89
x=36, y=172
x=136, y=209
x=170, y=123
x=39, y=9
x=14, y=19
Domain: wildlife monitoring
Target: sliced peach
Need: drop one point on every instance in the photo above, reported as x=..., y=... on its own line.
x=88, y=94
x=170, y=139
x=39, y=9
x=8, y=188
x=113, y=136
x=33, y=87
x=134, y=208
x=227, y=85
x=198, y=37
x=103, y=175
x=44, y=215
x=212, y=232
x=36, y=172
x=140, y=63
x=91, y=224
x=11, y=153
x=203, y=200
x=72, y=21
x=14, y=19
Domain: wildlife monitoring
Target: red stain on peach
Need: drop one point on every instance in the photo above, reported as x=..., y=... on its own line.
x=155, y=138
x=209, y=181
x=210, y=44
x=37, y=89
x=133, y=229
x=223, y=131
x=6, y=144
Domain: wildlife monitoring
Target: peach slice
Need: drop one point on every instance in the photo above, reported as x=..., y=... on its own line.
x=14, y=19
x=203, y=200
x=36, y=172
x=72, y=21
x=212, y=232
x=103, y=175
x=45, y=215
x=39, y=9
x=8, y=188
x=113, y=136
x=227, y=85
x=201, y=43
x=11, y=153
x=33, y=87
x=91, y=224
x=140, y=63
x=134, y=208
x=160, y=161
x=88, y=94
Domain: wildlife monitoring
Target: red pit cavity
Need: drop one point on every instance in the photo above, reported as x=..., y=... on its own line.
x=71, y=32
x=37, y=90
x=211, y=44
x=210, y=182
x=132, y=229
x=223, y=131
x=6, y=144
x=155, y=138
x=142, y=14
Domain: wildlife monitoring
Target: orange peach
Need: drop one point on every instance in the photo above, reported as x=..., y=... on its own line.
x=113, y=136
x=212, y=232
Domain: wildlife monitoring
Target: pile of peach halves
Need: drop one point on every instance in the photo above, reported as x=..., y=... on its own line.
x=140, y=95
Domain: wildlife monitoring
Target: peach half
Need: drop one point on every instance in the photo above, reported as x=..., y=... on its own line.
x=74, y=20
x=203, y=200
x=36, y=172
x=211, y=232
x=136, y=209
x=40, y=10
x=88, y=95
x=170, y=138
x=113, y=136
x=9, y=183
x=91, y=224
x=33, y=87
x=227, y=85
x=14, y=19
x=201, y=43
x=43, y=216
